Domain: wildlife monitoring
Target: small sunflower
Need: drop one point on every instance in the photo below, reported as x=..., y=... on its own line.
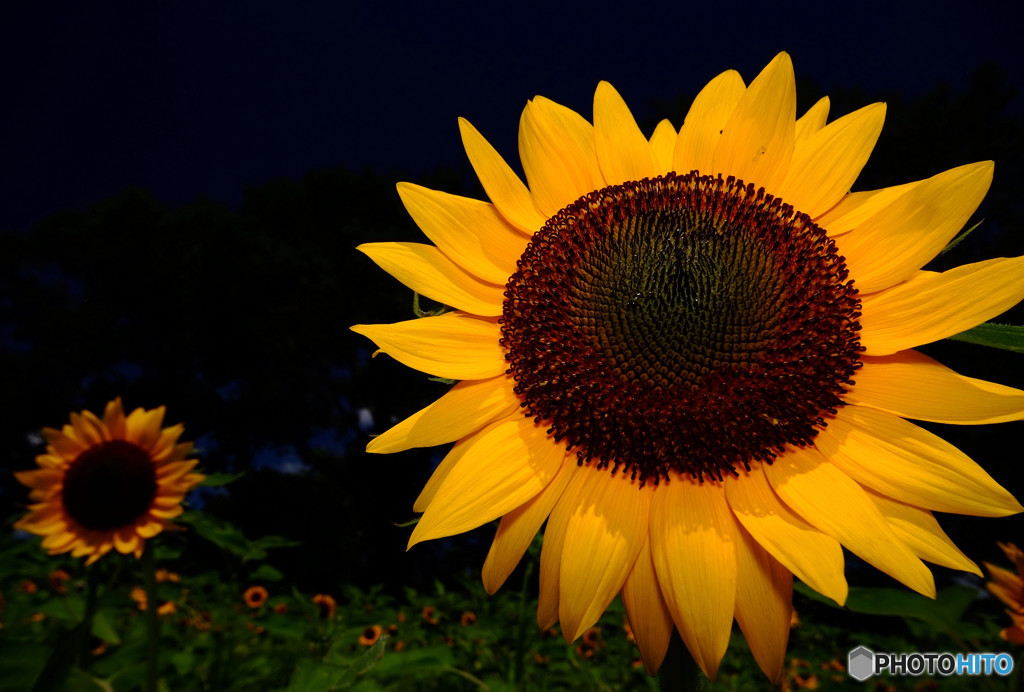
x=370, y=635
x=327, y=605
x=693, y=355
x=1008, y=587
x=255, y=596
x=109, y=483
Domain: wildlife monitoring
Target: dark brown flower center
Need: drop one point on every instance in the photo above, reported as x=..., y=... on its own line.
x=109, y=486
x=685, y=323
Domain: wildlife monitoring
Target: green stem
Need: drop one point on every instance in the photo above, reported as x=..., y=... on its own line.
x=152, y=621
x=520, y=640
x=679, y=672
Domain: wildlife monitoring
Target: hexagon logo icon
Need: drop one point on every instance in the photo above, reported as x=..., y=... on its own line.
x=860, y=663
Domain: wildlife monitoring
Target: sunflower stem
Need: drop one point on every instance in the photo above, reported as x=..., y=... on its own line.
x=152, y=621
x=679, y=672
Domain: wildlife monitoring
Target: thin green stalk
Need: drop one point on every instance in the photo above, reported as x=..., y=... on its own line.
x=679, y=672
x=152, y=621
x=520, y=641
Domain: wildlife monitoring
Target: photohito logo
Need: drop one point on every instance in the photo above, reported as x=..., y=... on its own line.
x=862, y=663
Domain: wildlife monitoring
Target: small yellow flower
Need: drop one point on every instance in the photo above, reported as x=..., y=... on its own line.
x=255, y=596
x=108, y=484
x=370, y=635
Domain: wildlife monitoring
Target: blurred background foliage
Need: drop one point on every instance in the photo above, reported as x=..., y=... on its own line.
x=238, y=320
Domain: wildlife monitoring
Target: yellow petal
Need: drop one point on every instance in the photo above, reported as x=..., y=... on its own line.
x=510, y=462
x=143, y=427
x=506, y=191
x=556, y=146
x=833, y=502
x=901, y=237
x=125, y=540
x=607, y=527
x=428, y=271
x=88, y=427
x=517, y=529
x=622, y=150
x=113, y=419
x=702, y=128
x=764, y=604
x=903, y=461
x=433, y=483
x=931, y=306
x=467, y=407
x=918, y=529
x=646, y=610
x=912, y=385
x=758, y=139
x=453, y=345
x=663, y=143
x=693, y=543
x=470, y=232
x=810, y=122
x=165, y=444
x=857, y=207
x=814, y=557
x=551, y=561
x=825, y=166
x=63, y=445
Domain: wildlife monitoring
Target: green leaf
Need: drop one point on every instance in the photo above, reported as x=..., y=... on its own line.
x=276, y=542
x=266, y=573
x=103, y=629
x=223, y=534
x=943, y=614
x=215, y=480
x=1009, y=337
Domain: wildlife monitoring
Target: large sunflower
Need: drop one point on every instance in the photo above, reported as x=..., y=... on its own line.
x=692, y=354
x=108, y=483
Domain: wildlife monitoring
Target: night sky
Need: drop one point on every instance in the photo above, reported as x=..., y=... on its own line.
x=186, y=99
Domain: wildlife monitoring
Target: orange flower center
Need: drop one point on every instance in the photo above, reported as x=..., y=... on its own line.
x=685, y=323
x=109, y=486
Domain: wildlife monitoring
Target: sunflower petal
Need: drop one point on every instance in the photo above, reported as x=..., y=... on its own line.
x=693, y=543
x=428, y=271
x=905, y=462
x=857, y=207
x=702, y=129
x=816, y=558
x=517, y=529
x=622, y=150
x=827, y=163
x=465, y=408
x=810, y=122
x=931, y=306
x=607, y=528
x=556, y=146
x=646, y=610
x=833, y=502
x=142, y=427
x=510, y=462
x=900, y=238
x=921, y=532
x=757, y=141
x=452, y=345
x=764, y=604
x=551, y=560
x=506, y=191
x=663, y=143
x=909, y=384
x=113, y=419
x=470, y=232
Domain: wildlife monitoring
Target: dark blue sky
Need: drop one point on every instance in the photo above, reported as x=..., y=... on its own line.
x=187, y=99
